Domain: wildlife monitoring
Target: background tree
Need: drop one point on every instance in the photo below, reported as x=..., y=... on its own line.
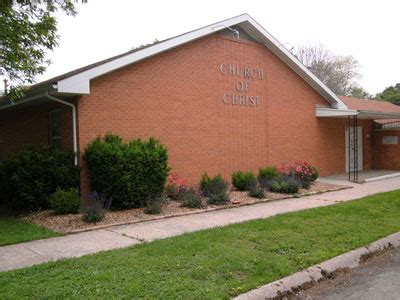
x=340, y=73
x=391, y=94
x=28, y=31
x=360, y=92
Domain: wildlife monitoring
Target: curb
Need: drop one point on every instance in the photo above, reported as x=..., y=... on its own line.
x=291, y=284
x=383, y=177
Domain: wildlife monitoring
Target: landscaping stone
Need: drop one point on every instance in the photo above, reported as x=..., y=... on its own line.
x=73, y=222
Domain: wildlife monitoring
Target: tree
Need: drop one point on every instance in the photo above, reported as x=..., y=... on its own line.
x=28, y=31
x=338, y=72
x=360, y=92
x=391, y=94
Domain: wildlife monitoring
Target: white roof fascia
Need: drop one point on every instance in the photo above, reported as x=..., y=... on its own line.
x=326, y=112
x=80, y=83
x=368, y=114
x=278, y=49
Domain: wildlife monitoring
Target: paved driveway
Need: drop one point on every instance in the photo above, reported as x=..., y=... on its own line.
x=75, y=245
x=378, y=278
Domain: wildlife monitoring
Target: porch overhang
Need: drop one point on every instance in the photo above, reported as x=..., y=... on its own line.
x=326, y=112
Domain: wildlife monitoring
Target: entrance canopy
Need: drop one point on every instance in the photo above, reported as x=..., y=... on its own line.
x=362, y=108
x=384, y=115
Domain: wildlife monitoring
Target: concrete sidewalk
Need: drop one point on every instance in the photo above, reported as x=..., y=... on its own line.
x=75, y=245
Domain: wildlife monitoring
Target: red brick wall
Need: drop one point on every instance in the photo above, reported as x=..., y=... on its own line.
x=385, y=156
x=177, y=97
x=31, y=126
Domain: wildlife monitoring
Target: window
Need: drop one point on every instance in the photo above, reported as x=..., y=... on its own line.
x=55, y=128
x=390, y=140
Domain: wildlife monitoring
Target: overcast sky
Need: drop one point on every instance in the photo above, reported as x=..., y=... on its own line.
x=367, y=30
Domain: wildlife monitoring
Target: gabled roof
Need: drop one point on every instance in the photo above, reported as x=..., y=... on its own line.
x=78, y=81
x=370, y=105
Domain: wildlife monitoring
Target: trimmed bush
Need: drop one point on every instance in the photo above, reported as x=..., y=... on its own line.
x=190, y=198
x=285, y=184
x=30, y=177
x=127, y=172
x=242, y=180
x=95, y=208
x=65, y=201
x=154, y=204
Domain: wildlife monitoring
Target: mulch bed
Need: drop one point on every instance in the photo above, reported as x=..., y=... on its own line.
x=73, y=222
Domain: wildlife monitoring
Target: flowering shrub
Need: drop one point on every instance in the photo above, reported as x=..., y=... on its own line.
x=300, y=170
x=175, y=186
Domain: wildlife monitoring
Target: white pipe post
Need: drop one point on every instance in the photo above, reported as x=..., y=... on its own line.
x=74, y=133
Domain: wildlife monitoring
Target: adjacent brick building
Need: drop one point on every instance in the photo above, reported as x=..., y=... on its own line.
x=223, y=98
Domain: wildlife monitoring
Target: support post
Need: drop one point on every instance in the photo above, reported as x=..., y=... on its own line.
x=348, y=143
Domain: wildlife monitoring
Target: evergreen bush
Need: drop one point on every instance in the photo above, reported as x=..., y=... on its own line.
x=127, y=172
x=29, y=177
x=65, y=201
x=242, y=180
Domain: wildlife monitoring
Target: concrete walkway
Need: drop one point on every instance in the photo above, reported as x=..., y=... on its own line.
x=75, y=245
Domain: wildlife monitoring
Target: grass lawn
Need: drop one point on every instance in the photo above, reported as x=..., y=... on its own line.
x=14, y=231
x=215, y=263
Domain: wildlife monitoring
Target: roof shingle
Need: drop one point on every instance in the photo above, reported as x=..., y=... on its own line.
x=370, y=105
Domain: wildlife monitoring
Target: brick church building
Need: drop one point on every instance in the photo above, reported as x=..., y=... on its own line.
x=222, y=98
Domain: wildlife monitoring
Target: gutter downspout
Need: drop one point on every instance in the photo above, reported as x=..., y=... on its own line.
x=74, y=132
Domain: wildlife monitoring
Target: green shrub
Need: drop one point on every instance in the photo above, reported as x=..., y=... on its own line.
x=95, y=207
x=30, y=177
x=65, y=201
x=242, y=180
x=215, y=188
x=266, y=176
x=285, y=184
x=127, y=172
x=255, y=191
x=315, y=174
x=154, y=204
x=218, y=199
x=268, y=173
x=213, y=185
x=93, y=214
x=190, y=198
x=265, y=183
